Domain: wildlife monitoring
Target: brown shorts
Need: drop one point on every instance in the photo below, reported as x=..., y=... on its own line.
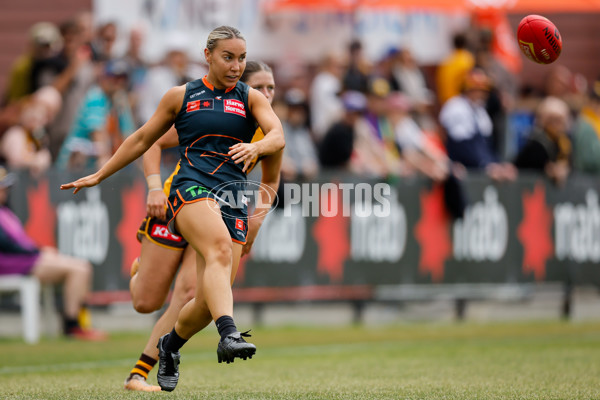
x=156, y=231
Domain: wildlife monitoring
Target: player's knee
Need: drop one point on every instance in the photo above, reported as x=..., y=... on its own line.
x=189, y=292
x=221, y=252
x=146, y=304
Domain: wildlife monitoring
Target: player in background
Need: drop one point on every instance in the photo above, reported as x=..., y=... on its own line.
x=151, y=280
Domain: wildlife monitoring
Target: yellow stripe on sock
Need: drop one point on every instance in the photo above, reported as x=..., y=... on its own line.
x=140, y=372
x=145, y=365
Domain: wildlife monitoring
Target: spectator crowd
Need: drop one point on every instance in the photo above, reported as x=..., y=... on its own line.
x=70, y=101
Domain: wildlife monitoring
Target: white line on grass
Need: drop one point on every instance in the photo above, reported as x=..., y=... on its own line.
x=273, y=351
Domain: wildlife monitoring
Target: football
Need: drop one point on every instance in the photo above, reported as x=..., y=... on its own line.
x=539, y=39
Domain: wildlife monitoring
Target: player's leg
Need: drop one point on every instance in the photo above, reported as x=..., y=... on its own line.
x=150, y=286
x=183, y=291
x=212, y=241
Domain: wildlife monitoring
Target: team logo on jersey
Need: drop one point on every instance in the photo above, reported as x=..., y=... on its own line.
x=234, y=107
x=239, y=224
x=196, y=105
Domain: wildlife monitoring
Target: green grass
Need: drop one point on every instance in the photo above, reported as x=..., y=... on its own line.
x=549, y=360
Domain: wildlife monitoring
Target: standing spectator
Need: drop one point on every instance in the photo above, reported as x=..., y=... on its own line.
x=586, y=152
x=469, y=128
x=300, y=155
x=44, y=43
x=325, y=105
x=25, y=145
x=561, y=82
x=357, y=73
x=173, y=71
x=102, y=122
x=503, y=90
x=549, y=146
x=413, y=84
x=384, y=69
x=20, y=255
x=453, y=69
x=138, y=69
x=73, y=79
x=103, y=42
x=411, y=79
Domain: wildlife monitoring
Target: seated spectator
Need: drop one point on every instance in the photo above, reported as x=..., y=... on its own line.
x=103, y=42
x=418, y=150
x=549, y=146
x=19, y=255
x=468, y=129
x=423, y=152
x=336, y=147
x=411, y=79
x=24, y=146
x=350, y=142
x=103, y=121
x=375, y=129
x=586, y=151
x=356, y=76
x=300, y=155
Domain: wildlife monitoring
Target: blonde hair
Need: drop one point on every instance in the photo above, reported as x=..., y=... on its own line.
x=222, y=33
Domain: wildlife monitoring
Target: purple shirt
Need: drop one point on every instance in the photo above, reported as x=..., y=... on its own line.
x=18, y=253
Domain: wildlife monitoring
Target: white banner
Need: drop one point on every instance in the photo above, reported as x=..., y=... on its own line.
x=287, y=38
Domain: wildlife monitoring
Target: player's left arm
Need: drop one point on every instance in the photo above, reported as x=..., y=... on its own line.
x=271, y=126
x=271, y=167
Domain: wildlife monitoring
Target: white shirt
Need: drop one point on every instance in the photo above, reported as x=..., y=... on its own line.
x=463, y=119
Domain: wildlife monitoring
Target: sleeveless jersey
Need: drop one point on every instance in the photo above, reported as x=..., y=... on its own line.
x=209, y=122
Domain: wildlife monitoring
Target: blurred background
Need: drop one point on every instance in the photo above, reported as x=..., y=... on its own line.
x=492, y=161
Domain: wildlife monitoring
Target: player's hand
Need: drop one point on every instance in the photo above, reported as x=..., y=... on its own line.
x=243, y=152
x=86, y=181
x=156, y=204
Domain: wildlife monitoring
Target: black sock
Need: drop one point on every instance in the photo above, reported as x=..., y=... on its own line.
x=143, y=366
x=173, y=342
x=225, y=325
x=69, y=324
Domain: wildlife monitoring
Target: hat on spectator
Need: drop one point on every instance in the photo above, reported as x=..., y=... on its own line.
x=6, y=178
x=116, y=68
x=391, y=52
x=354, y=101
x=45, y=33
x=379, y=87
x=176, y=41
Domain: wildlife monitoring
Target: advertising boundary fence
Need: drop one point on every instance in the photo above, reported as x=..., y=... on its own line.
x=332, y=240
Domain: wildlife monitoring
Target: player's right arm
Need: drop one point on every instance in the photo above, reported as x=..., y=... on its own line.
x=156, y=201
x=138, y=142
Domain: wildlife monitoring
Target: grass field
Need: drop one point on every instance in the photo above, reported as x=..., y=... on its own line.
x=549, y=360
